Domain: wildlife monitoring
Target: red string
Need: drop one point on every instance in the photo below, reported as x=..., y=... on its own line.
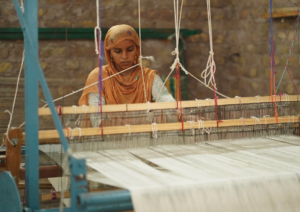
x=53, y=192
x=273, y=86
x=58, y=110
x=292, y=80
x=68, y=131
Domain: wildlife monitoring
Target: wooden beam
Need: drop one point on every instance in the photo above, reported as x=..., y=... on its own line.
x=45, y=172
x=2, y=160
x=282, y=12
x=42, y=186
x=13, y=153
x=49, y=134
x=169, y=105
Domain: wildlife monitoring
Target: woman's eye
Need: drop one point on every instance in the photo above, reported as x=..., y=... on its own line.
x=130, y=50
x=117, y=52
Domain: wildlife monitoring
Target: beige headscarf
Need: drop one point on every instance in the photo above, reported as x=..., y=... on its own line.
x=115, y=91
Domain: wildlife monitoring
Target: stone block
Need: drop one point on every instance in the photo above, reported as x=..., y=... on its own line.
x=56, y=1
x=253, y=72
x=89, y=24
x=289, y=89
x=219, y=39
x=3, y=53
x=167, y=14
x=244, y=14
x=41, y=12
x=282, y=35
x=193, y=14
x=5, y=67
x=202, y=37
x=72, y=64
x=294, y=61
x=266, y=60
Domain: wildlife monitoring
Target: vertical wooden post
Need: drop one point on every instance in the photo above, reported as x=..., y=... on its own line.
x=13, y=153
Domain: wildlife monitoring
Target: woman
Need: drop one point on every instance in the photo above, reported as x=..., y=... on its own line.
x=122, y=51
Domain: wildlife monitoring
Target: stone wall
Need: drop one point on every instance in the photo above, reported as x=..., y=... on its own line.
x=240, y=37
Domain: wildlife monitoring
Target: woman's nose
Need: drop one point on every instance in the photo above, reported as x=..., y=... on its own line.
x=124, y=55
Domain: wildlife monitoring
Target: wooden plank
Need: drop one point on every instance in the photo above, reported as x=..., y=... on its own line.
x=282, y=12
x=13, y=153
x=48, y=134
x=45, y=172
x=42, y=186
x=171, y=105
x=84, y=110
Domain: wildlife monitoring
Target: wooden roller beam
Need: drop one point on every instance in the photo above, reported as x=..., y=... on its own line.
x=52, y=134
x=170, y=105
x=41, y=185
x=45, y=172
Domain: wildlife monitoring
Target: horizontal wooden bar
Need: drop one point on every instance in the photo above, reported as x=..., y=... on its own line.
x=45, y=172
x=85, y=109
x=48, y=134
x=282, y=12
x=171, y=105
x=42, y=186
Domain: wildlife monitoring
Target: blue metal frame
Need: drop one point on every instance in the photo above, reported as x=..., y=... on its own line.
x=80, y=200
x=33, y=75
x=31, y=108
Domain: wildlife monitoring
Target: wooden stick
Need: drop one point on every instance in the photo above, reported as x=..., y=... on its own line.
x=13, y=153
x=169, y=105
x=52, y=134
x=45, y=172
x=282, y=12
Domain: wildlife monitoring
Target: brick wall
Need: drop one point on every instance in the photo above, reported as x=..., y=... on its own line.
x=240, y=36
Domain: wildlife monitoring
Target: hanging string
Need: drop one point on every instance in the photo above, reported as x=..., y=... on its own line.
x=99, y=51
x=210, y=70
x=14, y=101
x=154, y=130
x=141, y=57
x=176, y=63
x=290, y=52
x=178, y=95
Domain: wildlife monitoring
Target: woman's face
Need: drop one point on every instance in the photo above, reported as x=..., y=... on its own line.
x=124, y=54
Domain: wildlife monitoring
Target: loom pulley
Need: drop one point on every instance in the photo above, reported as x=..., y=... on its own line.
x=9, y=194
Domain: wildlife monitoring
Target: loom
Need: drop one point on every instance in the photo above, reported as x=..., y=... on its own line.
x=209, y=158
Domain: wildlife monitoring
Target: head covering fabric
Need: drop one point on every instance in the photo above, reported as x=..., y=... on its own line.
x=115, y=90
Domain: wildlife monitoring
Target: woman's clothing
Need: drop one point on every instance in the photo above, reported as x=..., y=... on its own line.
x=165, y=96
x=115, y=91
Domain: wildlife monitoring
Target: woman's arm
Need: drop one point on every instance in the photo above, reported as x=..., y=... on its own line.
x=164, y=95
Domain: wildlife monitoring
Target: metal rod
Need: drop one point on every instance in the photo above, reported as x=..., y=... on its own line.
x=31, y=107
x=101, y=198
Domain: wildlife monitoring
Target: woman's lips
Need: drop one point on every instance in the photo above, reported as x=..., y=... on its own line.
x=125, y=63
